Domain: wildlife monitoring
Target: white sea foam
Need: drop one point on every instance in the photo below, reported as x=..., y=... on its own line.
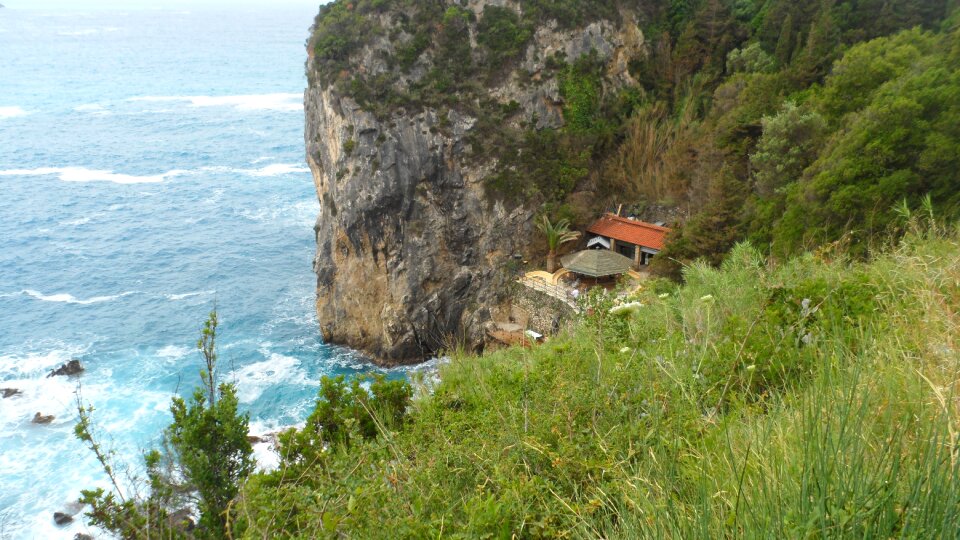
x=70, y=299
x=174, y=352
x=251, y=102
x=95, y=109
x=12, y=112
x=81, y=174
x=36, y=364
x=261, y=159
x=42, y=450
x=265, y=452
x=278, y=169
x=254, y=379
x=79, y=221
x=300, y=213
x=274, y=169
x=176, y=297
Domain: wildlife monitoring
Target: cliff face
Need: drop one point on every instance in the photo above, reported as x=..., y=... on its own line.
x=412, y=249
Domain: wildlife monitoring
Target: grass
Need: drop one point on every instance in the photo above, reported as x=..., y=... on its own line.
x=809, y=399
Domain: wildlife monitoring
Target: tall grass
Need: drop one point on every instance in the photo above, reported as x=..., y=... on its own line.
x=812, y=399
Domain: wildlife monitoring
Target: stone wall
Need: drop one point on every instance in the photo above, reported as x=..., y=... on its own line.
x=539, y=312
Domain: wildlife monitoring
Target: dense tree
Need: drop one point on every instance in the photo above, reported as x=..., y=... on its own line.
x=902, y=145
x=790, y=143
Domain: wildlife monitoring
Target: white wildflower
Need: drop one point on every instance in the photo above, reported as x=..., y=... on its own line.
x=751, y=367
x=625, y=350
x=664, y=295
x=625, y=309
x=706, y=298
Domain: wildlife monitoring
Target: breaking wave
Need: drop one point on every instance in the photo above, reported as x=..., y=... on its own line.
x=67, y=298
x=12, y=112
x=254, y=102
x=275, y=169
x=81, y=174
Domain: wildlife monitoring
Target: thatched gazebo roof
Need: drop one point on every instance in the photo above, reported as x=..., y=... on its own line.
x=597, y=263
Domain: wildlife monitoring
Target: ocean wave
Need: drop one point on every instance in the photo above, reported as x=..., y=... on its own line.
x=274, y=169
x=252, y=102
x=81, y=174
x=93, y=108
x=70, y=299
x=12, y=112
x=37, y=364
x=174, y=352
x=176, y=297
x=76, y=222
x=254, y=379
x=278, y=169
x=303, y=213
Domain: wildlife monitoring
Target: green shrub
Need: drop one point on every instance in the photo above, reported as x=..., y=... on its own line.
x=503, y=34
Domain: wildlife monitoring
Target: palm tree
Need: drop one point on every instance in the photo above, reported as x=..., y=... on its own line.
x=557, y=234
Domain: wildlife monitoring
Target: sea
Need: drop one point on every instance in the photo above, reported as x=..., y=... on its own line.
x=151, y=170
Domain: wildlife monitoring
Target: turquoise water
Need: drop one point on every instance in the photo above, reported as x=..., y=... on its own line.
x=151, y=166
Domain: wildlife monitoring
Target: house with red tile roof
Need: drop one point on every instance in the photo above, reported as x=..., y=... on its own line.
x=632, y=238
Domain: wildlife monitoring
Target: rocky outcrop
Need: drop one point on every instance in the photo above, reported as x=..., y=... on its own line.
x=71, y=368
x=10, y=392
x=412, y=251
x=42, y=419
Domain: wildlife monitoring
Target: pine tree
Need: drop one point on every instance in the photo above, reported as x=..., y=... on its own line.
x=784, y=50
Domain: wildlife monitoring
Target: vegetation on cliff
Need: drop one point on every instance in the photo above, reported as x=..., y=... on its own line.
x=789, y=124
x=205, y=457
x=809, y=398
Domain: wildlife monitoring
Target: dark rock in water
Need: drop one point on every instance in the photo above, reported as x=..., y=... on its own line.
x=253, y=439
x=62, y=519
x=81, y=536
x=73, y=367
x=10, y=392
x=42, y=418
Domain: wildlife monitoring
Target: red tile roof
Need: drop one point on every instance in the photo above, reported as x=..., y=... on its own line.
x=633, y=231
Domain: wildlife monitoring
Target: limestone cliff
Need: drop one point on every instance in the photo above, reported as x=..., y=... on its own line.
x=413, y=250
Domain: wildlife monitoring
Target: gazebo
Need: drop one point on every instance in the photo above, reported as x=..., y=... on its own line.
x=597, y=263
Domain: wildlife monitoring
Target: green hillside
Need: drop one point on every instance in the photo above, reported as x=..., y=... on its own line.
x=813, y=398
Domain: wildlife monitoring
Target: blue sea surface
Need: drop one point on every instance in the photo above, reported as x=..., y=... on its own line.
x=151, y=168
